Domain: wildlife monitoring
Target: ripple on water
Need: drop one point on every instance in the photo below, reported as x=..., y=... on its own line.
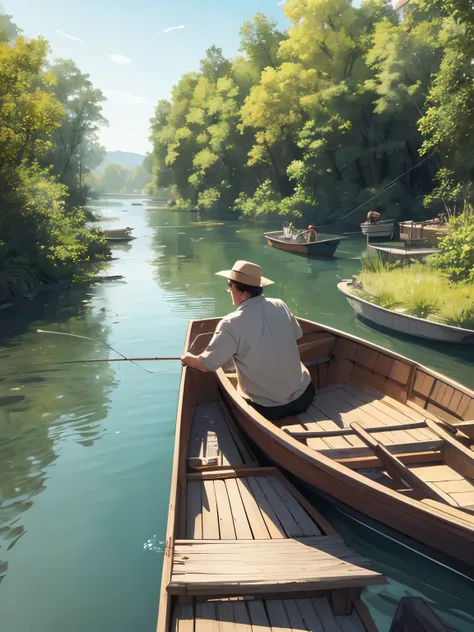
x=154, y=545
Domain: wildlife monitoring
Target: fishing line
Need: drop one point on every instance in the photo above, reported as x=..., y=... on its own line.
x=389, y=186
x=123, y=357
x=100, y=342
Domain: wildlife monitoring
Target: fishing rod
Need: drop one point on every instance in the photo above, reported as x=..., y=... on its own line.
x=123, y=358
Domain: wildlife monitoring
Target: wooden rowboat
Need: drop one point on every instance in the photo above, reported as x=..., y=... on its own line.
x=405, y=471
x=245, y=551
x=320, y=248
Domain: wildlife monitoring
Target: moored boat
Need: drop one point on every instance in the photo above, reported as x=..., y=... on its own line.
x=405, y=323
x=245, y=551
x=381, y=229
x=118, y=234
x=299, y=245
x=408, y=473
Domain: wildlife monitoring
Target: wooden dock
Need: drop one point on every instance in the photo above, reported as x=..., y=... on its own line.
x=400, y=254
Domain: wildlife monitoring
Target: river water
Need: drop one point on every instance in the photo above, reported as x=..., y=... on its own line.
x=85, y=449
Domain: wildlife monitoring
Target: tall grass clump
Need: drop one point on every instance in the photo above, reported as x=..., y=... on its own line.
x=418, y=290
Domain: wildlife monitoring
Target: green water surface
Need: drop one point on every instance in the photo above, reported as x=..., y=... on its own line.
x=85, y=449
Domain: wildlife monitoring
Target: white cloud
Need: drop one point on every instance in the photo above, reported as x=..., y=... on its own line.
x=71, y=37
x=173, y=28
x=120, y=59
x=125, y=98
x=281, y=3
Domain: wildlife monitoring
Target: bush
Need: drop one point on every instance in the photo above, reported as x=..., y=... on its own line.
x=456, y=258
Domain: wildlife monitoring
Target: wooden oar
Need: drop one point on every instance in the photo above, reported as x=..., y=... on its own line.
x=397, y=470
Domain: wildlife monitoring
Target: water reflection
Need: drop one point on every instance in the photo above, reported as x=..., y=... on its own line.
x=41, y=401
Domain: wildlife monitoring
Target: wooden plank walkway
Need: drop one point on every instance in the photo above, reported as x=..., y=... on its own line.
x=217, y=567
x=286, y=615
x=336, y=406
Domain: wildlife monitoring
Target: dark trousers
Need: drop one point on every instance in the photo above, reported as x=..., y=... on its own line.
x=299, y=405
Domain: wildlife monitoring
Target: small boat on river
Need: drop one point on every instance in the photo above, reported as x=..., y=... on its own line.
x=119, y=234
x=405, y=323
x=245, y=551
x=377, y=441
x=382, y=229
x=302, y=243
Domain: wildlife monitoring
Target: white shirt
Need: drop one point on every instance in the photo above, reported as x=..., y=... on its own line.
x=261, y=337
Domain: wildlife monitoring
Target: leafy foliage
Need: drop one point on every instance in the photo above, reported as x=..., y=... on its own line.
x=456, y=258
x=41, y=236
x=315, y=122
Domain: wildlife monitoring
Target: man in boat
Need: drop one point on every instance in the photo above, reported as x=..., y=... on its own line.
x=373, y=217
x=260, y=336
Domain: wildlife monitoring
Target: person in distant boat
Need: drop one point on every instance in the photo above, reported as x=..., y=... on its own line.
x=373, y=217
x=261, y=337
x=312, y=234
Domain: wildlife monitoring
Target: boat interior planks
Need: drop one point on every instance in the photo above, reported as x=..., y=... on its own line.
x=378, y=425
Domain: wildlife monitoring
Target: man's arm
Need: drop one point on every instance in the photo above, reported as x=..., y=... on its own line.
x=218, y=352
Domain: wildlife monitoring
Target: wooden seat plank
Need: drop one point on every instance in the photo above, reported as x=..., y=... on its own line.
x=241, y=524
x=272, y=522
x=210, y=520
x=216, y=567
x=255, y=518
x=304, y=521
x=194, y=510
x=226, y=522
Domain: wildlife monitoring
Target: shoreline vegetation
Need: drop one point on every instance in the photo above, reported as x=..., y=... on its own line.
x=49, y=120
x=440, y=290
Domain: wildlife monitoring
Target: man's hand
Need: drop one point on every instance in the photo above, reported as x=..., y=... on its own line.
x=194, y=362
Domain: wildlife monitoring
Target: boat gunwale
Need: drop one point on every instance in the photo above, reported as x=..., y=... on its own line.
x=409, y=316
x=173, y=504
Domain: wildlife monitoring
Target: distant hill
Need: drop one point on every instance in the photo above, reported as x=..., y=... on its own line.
x=125, y=159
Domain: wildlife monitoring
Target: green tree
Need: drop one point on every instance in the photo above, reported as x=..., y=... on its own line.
x=39, y=239
x=112, y=179
x=75, y=150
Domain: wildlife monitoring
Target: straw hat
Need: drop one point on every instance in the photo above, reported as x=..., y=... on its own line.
x=247, y=273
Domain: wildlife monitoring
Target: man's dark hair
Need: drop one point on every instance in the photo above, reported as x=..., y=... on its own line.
x=251, y=289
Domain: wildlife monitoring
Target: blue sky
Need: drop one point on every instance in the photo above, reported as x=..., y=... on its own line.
x=90, y=31
x=129, y=29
